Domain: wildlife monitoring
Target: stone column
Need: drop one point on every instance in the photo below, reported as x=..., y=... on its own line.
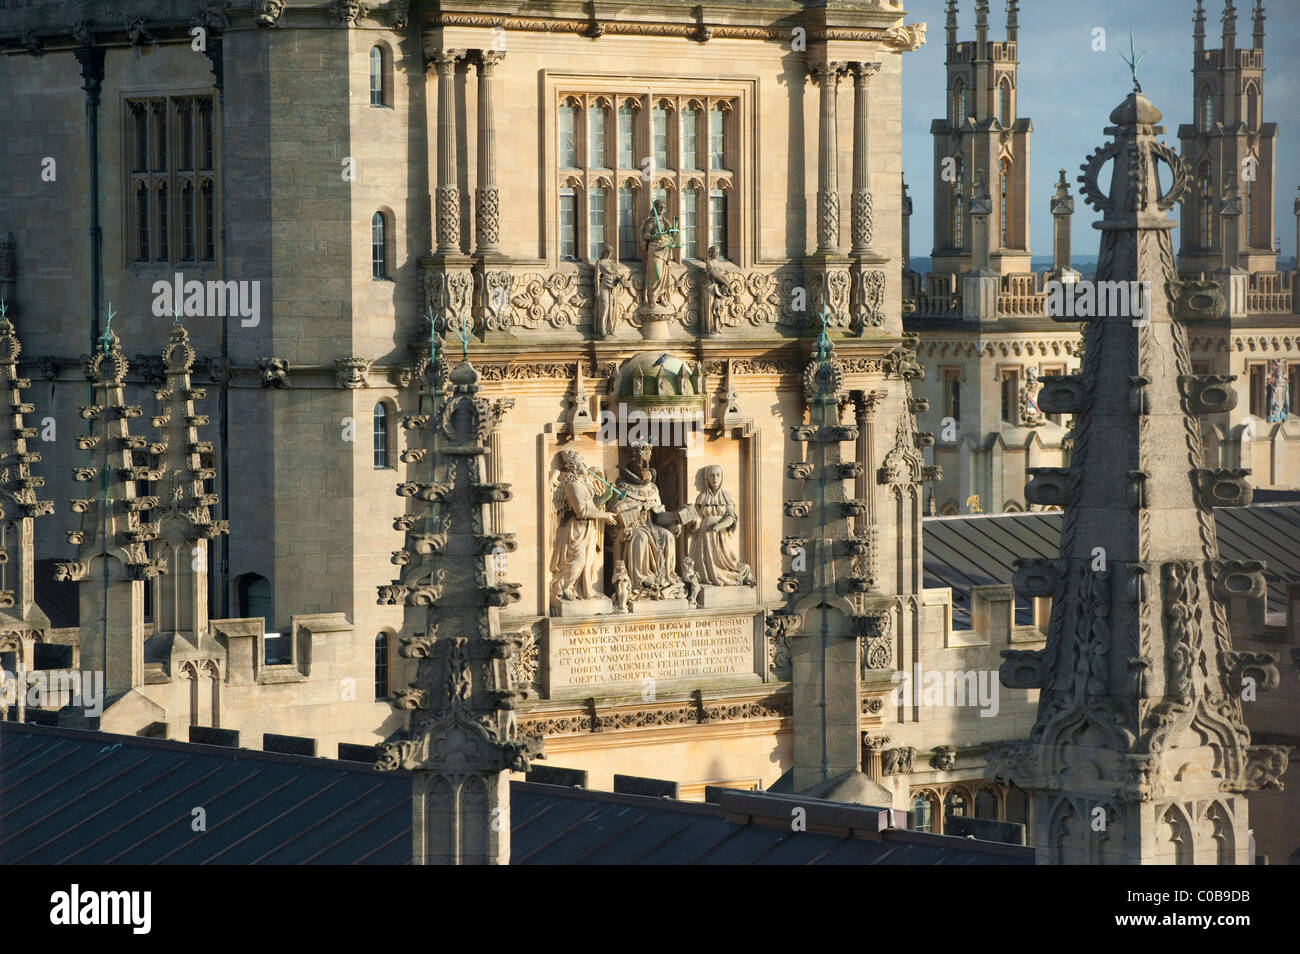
x=447, y=203
x=827, y=76
x=861, y=208
x=1295, y=274
x=486, y=205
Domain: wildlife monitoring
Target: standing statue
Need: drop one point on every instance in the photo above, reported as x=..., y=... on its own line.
x=712, y=282
x=658, y=239
x=1279, y=391
x=576, y=562
x=1032, y=416
x=713, y=535
x=644, y=541
x=608, y=280
x=691, y=579
x=622, y=587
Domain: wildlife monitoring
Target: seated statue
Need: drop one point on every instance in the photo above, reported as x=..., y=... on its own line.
x=713, y=535
x=645, y=534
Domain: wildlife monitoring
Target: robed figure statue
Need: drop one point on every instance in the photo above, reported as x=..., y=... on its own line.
x=576, y=561
x=657, y=244
x=645, y=533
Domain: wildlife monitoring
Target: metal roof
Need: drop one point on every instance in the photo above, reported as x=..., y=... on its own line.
x=86, y=798
x=980, y=549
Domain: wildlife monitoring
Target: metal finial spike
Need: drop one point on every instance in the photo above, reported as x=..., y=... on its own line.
x=1132, y=60
x=106, y=339
x=4, y=309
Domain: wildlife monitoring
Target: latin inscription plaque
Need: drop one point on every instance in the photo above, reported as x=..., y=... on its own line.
x=617, y=650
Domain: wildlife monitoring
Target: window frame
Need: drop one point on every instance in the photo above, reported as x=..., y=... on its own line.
x=181, y=134
x=627, y=101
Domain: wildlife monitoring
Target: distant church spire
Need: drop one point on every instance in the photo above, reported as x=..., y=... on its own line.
x=1259, y=24
x=951, y=25
x=1013, y=20
x=981, y=22
x=1198, y=27
x=1229, y=26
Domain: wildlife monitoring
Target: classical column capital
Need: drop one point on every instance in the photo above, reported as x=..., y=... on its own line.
x=830, y=70
x=863, y=72
x=487, y=61
x=444, y=61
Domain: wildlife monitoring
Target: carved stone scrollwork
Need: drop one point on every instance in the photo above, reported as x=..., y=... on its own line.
x=874, y=629
x=868, y=299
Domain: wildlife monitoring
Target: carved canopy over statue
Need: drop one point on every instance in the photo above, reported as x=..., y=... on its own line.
x=645, y=533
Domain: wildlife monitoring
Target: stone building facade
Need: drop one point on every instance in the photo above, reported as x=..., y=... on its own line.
x=535, y=196
x=984, y=316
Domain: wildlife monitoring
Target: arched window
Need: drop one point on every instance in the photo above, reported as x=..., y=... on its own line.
x=187, y=222
x=253, y=593
x=567, y=135
x=1252, y=106
x=920, y=813
x=1004, y=103
x=163, y=248
x=209, y=221
x=986, y=804
x=717, y=138
x=377, y=91
x=1207, y=108
x=596, y=152
x=595, y=222
x=1017, y=806
x=1206, y=199
x=689, y=222
x=627, y=224
x=381, y=436
x=958, y=217
x=955, y=804
x=142, y=222
x=378, y=246
x=381, y=666
x=1002, y=215
x=958, y=103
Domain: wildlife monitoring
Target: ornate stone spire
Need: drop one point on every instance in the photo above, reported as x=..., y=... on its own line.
x=1139, y=753
x=1062, y=213
x=1229, y=31
x=1198, y=26
x=1013, y=20
x=185, y=508
x=462, y=741
x=981, y=26
x=1259, y=24
x=19, y=615
x=113, y=560
x=951, y=25
x=837, y=622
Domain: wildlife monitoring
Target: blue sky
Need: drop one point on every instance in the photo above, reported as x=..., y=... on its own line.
x=1068, y=91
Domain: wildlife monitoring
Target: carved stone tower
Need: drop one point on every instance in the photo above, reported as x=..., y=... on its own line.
x=982, y=140
x=1062, y=213
x=1228, y=145
x=462, y=740
x=845, y=611
x=1140, y=753
x=113, y=562
x=21, y=621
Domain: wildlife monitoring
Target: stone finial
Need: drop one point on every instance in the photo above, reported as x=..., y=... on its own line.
x=1259, y=24
x=1062, y=201
x=1198, y=26
x=1013, y=20
x=1229, y=26
x=950, y=24
x=981, y=20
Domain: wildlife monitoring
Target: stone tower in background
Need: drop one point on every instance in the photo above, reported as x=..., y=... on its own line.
x=1140, y=753
x=1230, y=152
x=982, y=145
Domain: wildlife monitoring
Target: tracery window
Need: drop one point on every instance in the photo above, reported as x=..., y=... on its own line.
x=169, y=145
x=670, y=147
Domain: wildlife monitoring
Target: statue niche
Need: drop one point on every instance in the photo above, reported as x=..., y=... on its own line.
x=645, y=533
